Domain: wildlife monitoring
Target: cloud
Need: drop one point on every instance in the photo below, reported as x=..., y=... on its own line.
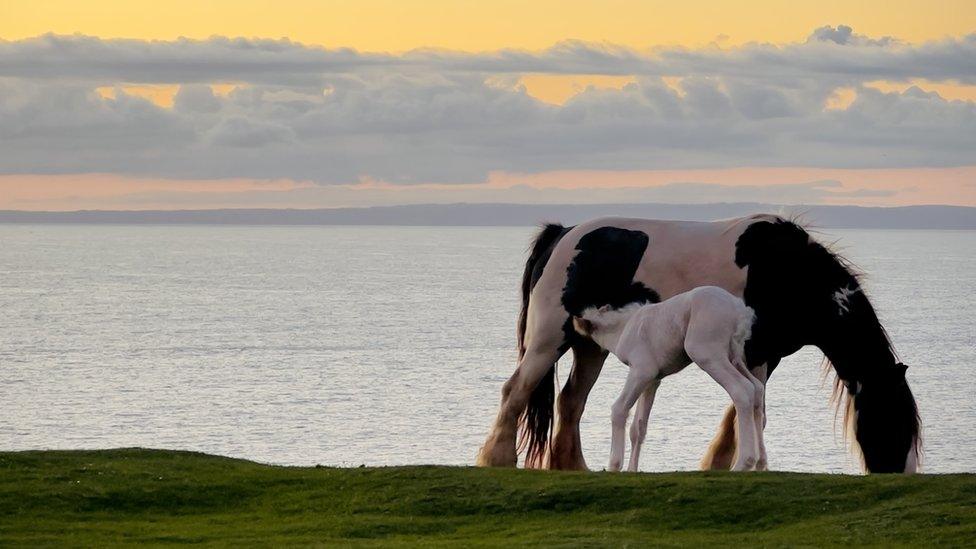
x=88, y=58
x=338, y=116
x=170, y=195
x=196, y=98
x=238, y=131
x=831, y=52
x=844, y=35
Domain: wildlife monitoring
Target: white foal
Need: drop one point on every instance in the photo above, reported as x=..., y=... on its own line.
x=706, y=325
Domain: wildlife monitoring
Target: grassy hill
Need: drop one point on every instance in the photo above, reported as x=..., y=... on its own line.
x=96, y=498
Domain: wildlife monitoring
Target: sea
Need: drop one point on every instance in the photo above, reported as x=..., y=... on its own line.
x=347, y=346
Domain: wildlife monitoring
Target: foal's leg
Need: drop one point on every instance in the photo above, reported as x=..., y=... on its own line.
x=637, y=380
x=743, y=399
x=721, y=451
x=638, y=426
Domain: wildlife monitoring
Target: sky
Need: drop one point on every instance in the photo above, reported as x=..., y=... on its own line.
x=307, y=104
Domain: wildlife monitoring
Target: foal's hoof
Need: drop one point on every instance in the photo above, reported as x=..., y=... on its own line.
x=745, y=464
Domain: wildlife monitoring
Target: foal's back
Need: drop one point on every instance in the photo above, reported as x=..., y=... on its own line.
x=700, y=322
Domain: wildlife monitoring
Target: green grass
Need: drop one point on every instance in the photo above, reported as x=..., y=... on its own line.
x=96, y=498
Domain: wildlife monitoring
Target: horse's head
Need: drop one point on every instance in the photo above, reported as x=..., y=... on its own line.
x=887, y=420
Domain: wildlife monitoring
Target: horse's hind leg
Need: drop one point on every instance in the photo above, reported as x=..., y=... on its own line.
x=567, y=451
x=544, y=346
x=499, y=448
x=638, y=427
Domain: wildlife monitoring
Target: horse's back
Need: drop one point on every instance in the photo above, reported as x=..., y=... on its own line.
x=667, y=257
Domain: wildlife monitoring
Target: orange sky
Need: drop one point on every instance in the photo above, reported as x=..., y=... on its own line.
x=954, y=186
x=473, y=25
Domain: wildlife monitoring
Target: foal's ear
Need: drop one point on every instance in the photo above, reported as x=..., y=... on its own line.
x=604, y=309
x=582, y=325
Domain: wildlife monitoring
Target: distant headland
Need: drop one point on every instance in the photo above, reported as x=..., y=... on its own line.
x=846, y=217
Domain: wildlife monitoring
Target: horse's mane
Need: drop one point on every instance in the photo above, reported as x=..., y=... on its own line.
x=843, y=392
x=818, y=267
x=735, y=222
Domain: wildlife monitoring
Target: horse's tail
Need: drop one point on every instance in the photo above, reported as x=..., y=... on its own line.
x=535, y=424
x=542, y=247
x=722, y=445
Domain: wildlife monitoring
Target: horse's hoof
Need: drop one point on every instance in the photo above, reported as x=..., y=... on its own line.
x=496, y=456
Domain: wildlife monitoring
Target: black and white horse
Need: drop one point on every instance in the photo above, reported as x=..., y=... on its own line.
x=801, y=292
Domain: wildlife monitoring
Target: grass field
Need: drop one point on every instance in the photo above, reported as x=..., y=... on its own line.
x=96, y=498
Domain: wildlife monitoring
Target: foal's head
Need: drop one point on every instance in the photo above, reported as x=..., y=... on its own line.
x=590, y=320
x=598, y=320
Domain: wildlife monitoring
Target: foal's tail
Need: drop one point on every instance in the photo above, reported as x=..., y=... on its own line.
x=743, y=331
x=535, y=424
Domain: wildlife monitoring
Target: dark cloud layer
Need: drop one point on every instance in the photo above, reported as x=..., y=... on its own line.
x=338, y=115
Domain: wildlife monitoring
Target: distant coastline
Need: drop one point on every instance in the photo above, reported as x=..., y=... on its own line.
x=500, y=214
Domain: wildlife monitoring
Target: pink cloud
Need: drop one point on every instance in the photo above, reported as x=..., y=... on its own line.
x=868, y=187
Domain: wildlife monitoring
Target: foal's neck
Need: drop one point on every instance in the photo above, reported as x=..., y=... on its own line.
x=610, y=326
x=608, y=338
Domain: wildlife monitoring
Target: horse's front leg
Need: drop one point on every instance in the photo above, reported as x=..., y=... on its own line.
x=567, y=451
x=758, y=377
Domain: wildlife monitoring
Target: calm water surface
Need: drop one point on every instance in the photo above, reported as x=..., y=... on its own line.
x=388, y=345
